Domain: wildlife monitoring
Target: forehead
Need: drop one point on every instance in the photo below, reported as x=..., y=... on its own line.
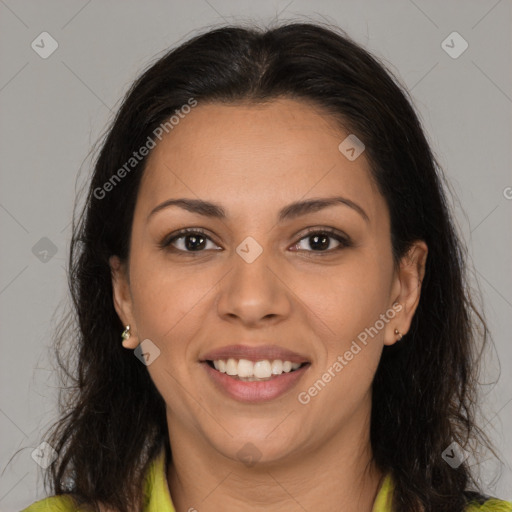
x=251, y=155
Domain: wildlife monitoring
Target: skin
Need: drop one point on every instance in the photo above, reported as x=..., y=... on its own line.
x=253, y=160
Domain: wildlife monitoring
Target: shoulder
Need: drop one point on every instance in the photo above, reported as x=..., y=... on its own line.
x=475, y=502
x=62, y=503
x=490, y=505
x=155, y=487
x=53, y=504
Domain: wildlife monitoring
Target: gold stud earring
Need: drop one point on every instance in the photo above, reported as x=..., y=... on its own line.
x=399, y=334
x=126, y=333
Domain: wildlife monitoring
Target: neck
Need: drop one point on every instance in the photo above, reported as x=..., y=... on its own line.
x=334, y=475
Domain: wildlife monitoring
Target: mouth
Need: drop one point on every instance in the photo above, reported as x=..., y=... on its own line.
x=246, y=370
x=254, y=373
x=254, y=382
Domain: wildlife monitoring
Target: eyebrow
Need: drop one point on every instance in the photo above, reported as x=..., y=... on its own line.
x=293, y=210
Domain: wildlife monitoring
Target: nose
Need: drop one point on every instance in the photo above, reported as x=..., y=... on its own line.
x=254, y=292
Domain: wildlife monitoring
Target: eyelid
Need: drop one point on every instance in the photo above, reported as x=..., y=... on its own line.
x=344, y=240
x=338, y=235
x=167, y=239
x=330, y=231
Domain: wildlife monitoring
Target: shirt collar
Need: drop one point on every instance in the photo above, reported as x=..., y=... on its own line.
x=159, y=497
x=156, y=487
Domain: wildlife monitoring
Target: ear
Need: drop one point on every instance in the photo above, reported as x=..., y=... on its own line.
x=123, y=299
x=407, y=290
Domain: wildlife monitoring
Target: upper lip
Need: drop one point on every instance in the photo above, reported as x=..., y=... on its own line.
x=255, y=353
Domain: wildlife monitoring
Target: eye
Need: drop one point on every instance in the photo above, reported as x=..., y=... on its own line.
x=195, y=240
x=186, y=241
x=320, y=240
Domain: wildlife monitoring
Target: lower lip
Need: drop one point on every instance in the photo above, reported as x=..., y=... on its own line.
x=255, y=391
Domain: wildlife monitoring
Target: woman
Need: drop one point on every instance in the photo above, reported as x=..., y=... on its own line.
x=267, y=228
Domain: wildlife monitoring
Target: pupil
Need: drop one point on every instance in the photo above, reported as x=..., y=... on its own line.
x=194, y=239
x=323, y=245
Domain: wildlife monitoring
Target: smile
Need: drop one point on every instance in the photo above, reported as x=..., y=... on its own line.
x=250, y=371
x=252, y=382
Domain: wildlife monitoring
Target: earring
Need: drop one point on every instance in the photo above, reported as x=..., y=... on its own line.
x=126, y=333
x=399, y=334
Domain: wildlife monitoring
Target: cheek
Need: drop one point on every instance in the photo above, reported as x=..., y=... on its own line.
x=336, y=394
x=172, y=304
x=162, y=302
x=347, y=311
x=346, y=298
x=170, y=312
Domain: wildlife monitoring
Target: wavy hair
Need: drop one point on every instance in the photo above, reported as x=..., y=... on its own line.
x=113, y=420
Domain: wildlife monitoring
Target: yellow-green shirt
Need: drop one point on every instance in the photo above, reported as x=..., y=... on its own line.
x=160, y=499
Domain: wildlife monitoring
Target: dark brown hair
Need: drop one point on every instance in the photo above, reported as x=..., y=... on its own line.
x=424, y=392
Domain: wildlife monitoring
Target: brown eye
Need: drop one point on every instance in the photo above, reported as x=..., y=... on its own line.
x=320, y=241
x=187, y=241
x=194, y=240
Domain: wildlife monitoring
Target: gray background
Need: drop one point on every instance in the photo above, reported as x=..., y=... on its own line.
x=54, y=109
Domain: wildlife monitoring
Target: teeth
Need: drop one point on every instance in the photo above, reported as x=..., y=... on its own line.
x=277, y=367
x=248, y=370
x=262, y=369
x=231, y=367
x=245, y=368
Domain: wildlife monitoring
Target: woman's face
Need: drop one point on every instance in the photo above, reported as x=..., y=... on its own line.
x=253, y=285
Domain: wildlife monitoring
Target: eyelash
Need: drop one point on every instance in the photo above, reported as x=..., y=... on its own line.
x=343, y=240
